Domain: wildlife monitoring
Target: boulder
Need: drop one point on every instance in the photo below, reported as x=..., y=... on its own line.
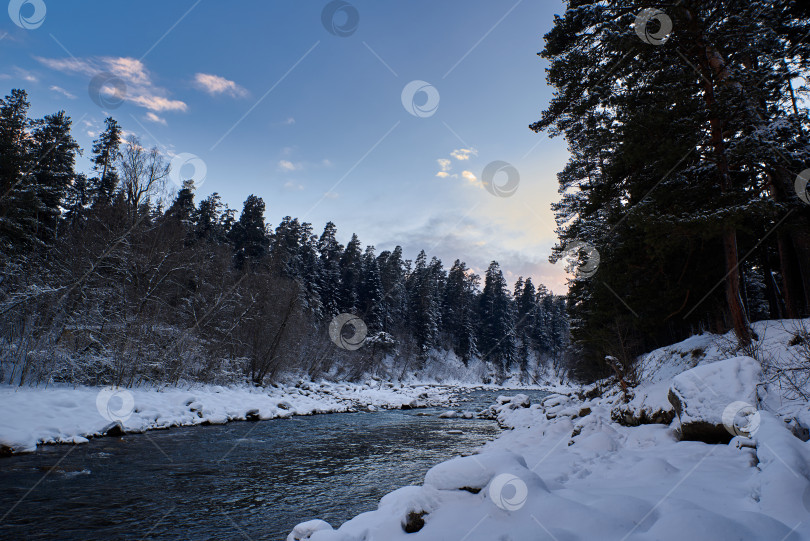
x=716, y=401
x=114, y=429
x=304, y=531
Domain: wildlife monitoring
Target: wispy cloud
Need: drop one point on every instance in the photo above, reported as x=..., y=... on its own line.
x=60, y=90
x=293, y=186
x=287, y=165
x=152, y=117
x=216, y=85
x=463, y=154
x=140, y=89
x=20, y=73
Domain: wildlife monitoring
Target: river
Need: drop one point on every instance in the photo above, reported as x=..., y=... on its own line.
x=235, y=481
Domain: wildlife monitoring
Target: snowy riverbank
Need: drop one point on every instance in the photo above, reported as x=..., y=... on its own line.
x=575, y=468
x=34, y=416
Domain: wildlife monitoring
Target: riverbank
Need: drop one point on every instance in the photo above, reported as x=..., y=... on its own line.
x=712, y=445
x=61, y=414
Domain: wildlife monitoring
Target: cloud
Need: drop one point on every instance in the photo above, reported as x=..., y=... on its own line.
x=442, y=174
x=293, y=186
x=20, y=73
x=331, y=195
x=140, y=89
x=445, y=164
x=152, y=117
x=62, y=91
x=470, y=177
x=477, y=243
x=286, y=165
x=463, y=154
x=290, y=121
x=216, y=85
x=157, y=103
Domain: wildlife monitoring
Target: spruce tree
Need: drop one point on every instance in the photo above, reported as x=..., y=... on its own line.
x=105, y=156
x=249, y=234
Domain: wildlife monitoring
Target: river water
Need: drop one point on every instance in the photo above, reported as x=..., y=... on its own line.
x=235, y=481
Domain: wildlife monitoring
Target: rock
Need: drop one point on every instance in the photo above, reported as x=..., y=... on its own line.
x=414, y=522
x=114, y=429
x=304, y=531
x=448, y=415
x=252, y=415
x=476, y=471
x=584, y=411
x=709, y=399
x=456, y=432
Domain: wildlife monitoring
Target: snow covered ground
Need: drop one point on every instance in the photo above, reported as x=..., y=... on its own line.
x=573, y=467
x=32, y=416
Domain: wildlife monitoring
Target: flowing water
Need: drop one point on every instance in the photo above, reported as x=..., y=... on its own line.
x=235, y=481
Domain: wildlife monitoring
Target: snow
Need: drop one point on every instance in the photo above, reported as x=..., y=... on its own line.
x=569, y=471
x=33, y=416
x=714, y=393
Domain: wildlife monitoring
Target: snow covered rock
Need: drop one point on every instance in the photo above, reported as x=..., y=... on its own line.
x=649, y=405
x=710, y=398
x=304, y=531
x=473, y=473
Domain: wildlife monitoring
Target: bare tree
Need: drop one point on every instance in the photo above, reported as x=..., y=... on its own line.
x=143, y=173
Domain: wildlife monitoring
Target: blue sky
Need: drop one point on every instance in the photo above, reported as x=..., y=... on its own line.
x=274, y=104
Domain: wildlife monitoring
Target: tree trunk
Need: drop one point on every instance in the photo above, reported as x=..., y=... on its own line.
x=714, y=67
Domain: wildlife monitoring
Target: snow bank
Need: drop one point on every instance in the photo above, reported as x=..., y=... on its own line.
x=33, y=416
x=569, y=471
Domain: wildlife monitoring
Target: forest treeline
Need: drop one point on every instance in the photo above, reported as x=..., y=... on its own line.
x=104, y=283
x=689, y=134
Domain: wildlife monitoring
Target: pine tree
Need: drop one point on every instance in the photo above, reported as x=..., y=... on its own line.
x=458, y=310
x=249, y=234
x=182, y=209
x=54, y=154
x=497, y=335
x=19, y=203
x=329, y=252
x=351, y=269
x=673, y=173
x=372, y=306
x=392, y=276
x=424, y=285
x=105, y=156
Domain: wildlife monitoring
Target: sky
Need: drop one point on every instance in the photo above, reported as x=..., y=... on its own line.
x=403, y=122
